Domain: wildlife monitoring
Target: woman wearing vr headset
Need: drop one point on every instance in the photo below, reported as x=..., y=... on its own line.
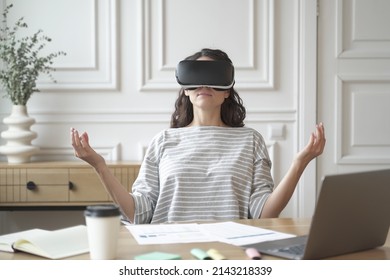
x=208, y=165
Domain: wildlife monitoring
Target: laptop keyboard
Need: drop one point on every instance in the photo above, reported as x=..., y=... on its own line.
x=295, y=249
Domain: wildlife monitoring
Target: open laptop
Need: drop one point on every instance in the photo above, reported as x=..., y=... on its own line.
x=352, y=214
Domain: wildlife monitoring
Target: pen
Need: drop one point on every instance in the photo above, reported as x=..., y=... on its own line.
x=215, y=255
x=200, y=254
x=253, y=254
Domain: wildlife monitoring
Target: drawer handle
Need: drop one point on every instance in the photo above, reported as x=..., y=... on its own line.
x=31, y=185
x=70, y=185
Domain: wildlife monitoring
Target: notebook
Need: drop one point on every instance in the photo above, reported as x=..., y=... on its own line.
x=55, y=244
x=352, y=214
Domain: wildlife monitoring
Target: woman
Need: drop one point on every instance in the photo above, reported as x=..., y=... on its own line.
x=208, y=165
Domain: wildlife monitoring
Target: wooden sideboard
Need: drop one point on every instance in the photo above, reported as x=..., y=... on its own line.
x=58, y=184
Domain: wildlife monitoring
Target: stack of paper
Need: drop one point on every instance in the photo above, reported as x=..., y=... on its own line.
x=227, y=232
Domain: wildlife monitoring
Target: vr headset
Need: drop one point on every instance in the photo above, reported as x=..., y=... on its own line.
x=218, y=74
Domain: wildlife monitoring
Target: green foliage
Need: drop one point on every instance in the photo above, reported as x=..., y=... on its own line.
x=22, y=60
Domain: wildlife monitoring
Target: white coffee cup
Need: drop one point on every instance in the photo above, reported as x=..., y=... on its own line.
x=103, y=223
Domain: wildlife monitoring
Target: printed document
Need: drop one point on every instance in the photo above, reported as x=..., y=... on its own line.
x=227, y=232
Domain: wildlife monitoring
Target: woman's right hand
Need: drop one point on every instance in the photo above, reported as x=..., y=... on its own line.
x=84, y=151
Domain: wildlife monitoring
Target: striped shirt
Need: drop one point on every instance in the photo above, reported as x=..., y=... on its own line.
x=203, y=173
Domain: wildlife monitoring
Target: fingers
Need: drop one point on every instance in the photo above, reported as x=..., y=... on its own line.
x=77, y=140
x=319, y=139
x=320, y=130
x=80, y=143
x=315, y=145
x=312, y=140
x=321, y=133
x=74, y=137
x=85, y=137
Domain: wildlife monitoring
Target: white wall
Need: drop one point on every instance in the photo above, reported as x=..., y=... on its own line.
x=117, y=81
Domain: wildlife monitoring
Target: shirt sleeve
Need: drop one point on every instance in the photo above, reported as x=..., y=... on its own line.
x=263, y=184
x=145, y=189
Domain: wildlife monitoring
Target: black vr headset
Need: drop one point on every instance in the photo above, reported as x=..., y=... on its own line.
x=216, y=74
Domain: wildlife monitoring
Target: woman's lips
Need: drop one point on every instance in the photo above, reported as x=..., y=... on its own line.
x=203, y=94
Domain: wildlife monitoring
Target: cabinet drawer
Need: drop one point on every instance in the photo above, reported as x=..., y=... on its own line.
x=86, y=186
x=46, y=193
x=45, y=185
x=48, y=176
x=58, y=183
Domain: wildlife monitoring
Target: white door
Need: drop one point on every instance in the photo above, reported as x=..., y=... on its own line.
x=354, y=85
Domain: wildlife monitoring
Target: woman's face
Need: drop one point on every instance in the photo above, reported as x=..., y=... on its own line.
x=205, y=97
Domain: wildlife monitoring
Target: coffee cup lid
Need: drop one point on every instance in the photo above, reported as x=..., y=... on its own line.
x=104, y=210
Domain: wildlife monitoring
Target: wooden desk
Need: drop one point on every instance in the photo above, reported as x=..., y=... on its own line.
x=128, y=247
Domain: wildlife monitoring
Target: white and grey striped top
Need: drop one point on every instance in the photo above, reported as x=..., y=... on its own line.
x=203, y=173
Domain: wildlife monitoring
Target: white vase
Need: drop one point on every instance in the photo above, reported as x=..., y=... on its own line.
x=18, y=148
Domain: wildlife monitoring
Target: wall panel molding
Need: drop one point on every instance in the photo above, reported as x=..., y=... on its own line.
x=254, y=71
x=52, y=153
x=144, y=116
x=48, y=153
x=90, y=39
x=361, y=110
x=360, y=34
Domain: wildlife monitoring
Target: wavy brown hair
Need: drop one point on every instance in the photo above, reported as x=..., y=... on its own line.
x=233, y=111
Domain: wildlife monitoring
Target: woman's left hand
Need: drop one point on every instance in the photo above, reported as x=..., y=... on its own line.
x=315, y=147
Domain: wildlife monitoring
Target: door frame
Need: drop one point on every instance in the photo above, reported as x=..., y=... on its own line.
x=307, y=100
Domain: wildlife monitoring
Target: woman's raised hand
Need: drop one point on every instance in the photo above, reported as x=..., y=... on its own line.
x=83, y=150
x=315, y=147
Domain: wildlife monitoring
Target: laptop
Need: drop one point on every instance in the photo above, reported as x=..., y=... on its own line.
x=352, y=214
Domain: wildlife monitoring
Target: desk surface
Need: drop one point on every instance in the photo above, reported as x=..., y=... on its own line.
x=128, y=248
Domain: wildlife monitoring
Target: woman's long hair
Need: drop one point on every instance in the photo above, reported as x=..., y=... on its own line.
x=233, y=111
